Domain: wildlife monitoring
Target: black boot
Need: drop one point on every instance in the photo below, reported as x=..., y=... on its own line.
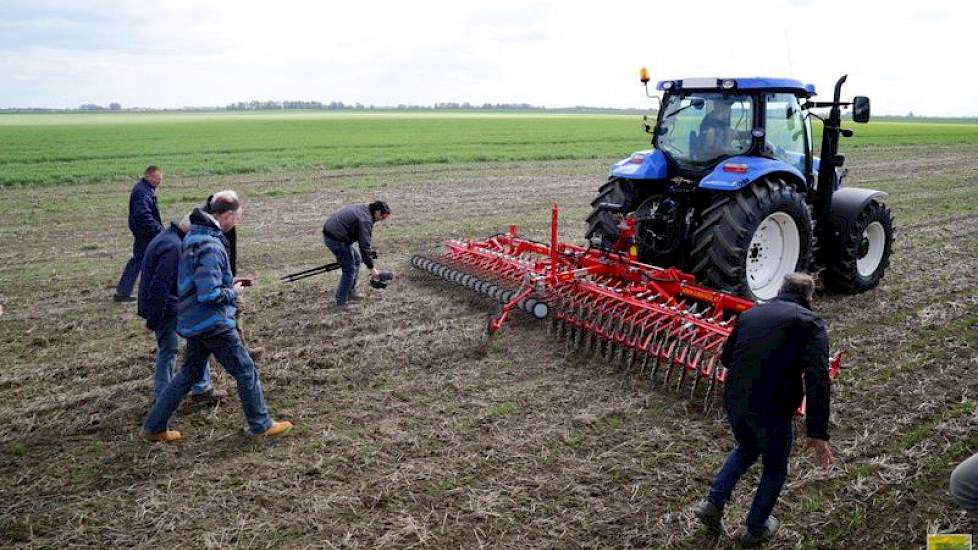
x=710, y=515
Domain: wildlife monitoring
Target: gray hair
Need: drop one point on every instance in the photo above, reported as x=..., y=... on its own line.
x=184, y=222
x=799, y=284
x=224, y=201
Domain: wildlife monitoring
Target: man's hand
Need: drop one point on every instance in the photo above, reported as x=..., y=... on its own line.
x=238, y=287
x=823, y=453
x=244, y=281
x=374, y=273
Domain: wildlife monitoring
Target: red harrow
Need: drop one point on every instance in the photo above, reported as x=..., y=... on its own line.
x=656, y=322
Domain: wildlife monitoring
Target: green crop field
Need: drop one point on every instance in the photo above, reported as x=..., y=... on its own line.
x=84, y=148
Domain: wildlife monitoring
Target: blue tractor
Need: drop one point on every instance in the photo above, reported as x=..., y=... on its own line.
x=732, y=192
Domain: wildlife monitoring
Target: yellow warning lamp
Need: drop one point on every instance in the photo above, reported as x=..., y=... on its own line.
x=643, y=75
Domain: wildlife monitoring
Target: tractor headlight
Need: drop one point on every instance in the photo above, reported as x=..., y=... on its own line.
x=728, y=84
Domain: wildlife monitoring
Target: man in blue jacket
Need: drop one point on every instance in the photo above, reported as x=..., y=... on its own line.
x=207, y=294
x=158, y=306
x=145, y=223
x=773, y=348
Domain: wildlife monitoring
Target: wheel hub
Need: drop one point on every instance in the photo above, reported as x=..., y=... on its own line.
x=773, y=253
x=871, y=248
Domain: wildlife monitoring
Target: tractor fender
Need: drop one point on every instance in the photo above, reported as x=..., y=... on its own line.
x=847, y=204
x=735, y=173
x=650, y=164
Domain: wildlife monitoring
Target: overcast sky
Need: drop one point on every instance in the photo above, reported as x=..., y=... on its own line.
x=906, y=55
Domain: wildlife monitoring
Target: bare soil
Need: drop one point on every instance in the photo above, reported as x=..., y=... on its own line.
x=411, y=432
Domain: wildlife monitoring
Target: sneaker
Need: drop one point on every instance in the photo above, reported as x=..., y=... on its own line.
x=119, y=298
x=710, y=515
x=165, y=436
x=343, y=308
x=210, y=397
x=278, y=428
x=771, y=527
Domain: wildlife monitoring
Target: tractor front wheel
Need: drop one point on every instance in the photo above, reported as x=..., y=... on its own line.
x=750, y=239
x=864, y=253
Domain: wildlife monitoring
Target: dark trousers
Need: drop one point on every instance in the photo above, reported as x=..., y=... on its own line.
x=131, y=272
x=348, y=255
x=770, y=439
x=227, y=348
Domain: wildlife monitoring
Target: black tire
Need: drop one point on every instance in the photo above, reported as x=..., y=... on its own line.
x=722, y=240
x=841, y=273
x=603, y=223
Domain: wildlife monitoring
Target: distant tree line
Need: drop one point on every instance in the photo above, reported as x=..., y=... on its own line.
x=255, y=105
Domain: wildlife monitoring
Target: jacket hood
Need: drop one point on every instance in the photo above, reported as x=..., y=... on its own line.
x=200, y=222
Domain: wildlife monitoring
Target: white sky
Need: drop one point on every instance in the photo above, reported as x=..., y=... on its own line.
x=906, y=55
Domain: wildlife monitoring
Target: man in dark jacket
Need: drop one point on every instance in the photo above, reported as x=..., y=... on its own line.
x=772, y=349
x=207, y=294
x=353, y=224
x=158, y=306
x=145, y=223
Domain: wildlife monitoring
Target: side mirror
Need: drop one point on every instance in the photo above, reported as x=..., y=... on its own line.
x=860, y=109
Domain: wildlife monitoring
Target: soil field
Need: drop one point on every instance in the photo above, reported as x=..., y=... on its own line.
x=412, y=433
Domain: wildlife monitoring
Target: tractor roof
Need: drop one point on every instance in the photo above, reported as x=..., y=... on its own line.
x=752, y=83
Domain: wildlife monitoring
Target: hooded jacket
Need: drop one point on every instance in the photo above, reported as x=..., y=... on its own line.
x=204, y=284
x=771, y=349
x=158, y=282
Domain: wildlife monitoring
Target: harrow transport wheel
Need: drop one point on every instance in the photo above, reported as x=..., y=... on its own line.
x=749, y=240
x=864, y=254
x=602, y=223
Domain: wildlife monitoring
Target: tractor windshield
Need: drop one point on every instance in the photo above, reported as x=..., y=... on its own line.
x=700, y=128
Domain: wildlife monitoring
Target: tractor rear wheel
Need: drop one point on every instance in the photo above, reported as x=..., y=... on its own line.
x=604, y=223
x=864, y=254
x=750, y=239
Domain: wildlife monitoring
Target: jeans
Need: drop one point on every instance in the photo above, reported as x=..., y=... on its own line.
x=168, y=344
x=227, y=348
x=771, y=439
x=349, y=258
x=131, y=272
x=964, y=484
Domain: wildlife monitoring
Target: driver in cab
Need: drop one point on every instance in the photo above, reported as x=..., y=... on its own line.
x=715, y=132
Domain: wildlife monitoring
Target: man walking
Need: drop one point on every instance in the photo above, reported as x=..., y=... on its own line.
x=205, y=317
x=770, y=349
x=158, y=306
x=145, y=223
x=353, y=224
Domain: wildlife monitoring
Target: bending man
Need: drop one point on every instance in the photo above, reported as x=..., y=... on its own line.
x=353, y=224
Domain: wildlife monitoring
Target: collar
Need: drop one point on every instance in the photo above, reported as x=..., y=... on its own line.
x=176, y=229
x=795, y=299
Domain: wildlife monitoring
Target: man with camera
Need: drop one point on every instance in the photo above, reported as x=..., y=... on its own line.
x=353, y=224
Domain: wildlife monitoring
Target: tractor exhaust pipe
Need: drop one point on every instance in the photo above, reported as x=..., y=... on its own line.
x=531, y=306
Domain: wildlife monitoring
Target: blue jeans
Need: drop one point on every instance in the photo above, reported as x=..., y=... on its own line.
x=349, y=258
x=771, y=439
x=227, y=348
x=131, y=272
x=168, y=344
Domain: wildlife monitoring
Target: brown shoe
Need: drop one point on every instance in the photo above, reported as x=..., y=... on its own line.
x=165, y=436
x=278, y=428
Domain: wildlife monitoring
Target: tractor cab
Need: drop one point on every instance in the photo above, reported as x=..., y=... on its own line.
x=704, y=121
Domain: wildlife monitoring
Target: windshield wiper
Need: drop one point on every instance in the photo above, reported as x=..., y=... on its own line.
x=697, y=102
